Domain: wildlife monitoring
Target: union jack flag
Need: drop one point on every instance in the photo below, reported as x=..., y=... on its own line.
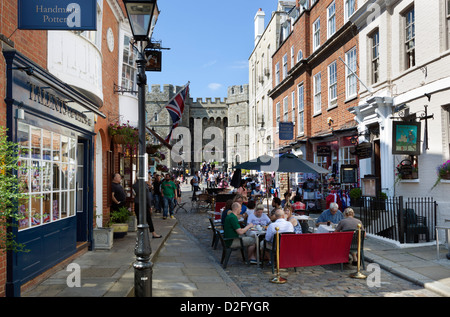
x=176, y=108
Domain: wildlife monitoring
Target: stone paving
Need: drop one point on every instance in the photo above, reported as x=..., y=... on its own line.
x=327, y=280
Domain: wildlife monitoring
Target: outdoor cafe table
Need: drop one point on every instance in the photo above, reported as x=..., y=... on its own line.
x=253, y=232
x=325, y=229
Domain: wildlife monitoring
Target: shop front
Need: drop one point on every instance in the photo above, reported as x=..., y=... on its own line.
x=336, y=152
x=54, y=127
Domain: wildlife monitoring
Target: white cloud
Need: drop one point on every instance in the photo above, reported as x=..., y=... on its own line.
x=209, y=64
x=240, y=65
x=214, y=86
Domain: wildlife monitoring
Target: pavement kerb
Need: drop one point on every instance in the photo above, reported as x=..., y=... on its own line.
x=409, y=275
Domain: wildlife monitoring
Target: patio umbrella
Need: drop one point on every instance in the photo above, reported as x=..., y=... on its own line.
x=286, y=163
x=255, y=164
x=289, y=163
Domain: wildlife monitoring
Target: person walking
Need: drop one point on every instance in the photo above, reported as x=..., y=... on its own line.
x=148, y=207
x=195, y=181
x=157, y=198
x=169, y=194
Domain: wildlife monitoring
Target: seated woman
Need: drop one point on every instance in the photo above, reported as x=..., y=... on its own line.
x=349, y=223
x=298, y=203
x=287, y=199
x=226, y=210
x=242, y=190
x=290, y=217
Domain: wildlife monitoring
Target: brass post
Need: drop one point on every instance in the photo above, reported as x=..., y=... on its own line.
x=278, y=279
x=358, y=274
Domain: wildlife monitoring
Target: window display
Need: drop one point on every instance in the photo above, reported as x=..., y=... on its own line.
x=49, y=177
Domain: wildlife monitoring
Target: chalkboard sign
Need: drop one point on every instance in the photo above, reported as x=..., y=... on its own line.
x=349, y=174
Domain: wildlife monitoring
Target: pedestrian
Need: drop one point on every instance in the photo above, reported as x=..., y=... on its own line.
x=117, y=193
x=148, y=205
x=195, y=185
x=169, y=194
x=157, y=198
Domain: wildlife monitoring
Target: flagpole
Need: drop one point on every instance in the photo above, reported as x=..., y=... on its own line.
x=164, y=107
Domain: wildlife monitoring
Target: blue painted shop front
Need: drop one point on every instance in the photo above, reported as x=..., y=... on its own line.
x=55, y=124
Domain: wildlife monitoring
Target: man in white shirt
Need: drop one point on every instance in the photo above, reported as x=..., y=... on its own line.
x=281, y=223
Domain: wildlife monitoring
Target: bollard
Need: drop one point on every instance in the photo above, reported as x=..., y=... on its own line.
x=278, y=279
x=358, y=274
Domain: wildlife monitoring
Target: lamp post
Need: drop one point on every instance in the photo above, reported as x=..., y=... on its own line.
x=140, y=13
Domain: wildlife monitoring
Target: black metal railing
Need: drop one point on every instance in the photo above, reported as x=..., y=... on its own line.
x=405, y=220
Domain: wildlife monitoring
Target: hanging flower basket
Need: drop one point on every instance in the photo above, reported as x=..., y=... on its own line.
x=124, y=133
x=152, y=148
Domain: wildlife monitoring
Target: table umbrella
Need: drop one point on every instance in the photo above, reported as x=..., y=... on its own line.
x=286, y=163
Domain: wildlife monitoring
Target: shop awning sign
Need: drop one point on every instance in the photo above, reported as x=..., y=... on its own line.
x=74, y=15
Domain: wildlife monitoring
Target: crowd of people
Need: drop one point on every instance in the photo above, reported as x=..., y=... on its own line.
x=281, y=216
x=240, y=214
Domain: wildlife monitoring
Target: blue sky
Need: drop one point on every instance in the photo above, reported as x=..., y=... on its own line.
x=210, y=42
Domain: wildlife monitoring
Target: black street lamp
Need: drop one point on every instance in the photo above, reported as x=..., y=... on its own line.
x=140, y=14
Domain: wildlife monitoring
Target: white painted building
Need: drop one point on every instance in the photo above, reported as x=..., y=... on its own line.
x=404, y=62
x=261, y=134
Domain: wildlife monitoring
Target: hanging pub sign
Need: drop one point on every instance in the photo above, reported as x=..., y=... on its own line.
x=71, y=15
x=286, y=130
x=154, y=61
x=364, y=150
x=406, y=138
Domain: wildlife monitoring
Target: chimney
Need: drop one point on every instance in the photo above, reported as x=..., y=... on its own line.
x=259, y=24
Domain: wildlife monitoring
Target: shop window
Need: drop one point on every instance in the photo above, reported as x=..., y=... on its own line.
x=47, y=176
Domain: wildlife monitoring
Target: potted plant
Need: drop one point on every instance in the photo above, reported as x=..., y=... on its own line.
x=443, y=172
x=123, y=133
x=119, y=221
x=103, y=238
x=355, y=197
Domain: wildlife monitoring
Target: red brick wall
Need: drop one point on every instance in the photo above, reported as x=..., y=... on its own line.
x=301, y=37
x=32, y=44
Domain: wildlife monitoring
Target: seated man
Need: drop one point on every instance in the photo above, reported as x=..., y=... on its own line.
x=281, y=223
x=259, y=217
x=333, y=215
x=232, y=229
x=257, y=191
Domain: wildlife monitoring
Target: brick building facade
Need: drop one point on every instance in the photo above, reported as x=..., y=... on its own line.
x=71, y=94
x=313, y=85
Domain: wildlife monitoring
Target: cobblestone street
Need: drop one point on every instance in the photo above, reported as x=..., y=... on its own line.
x=327, y=280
